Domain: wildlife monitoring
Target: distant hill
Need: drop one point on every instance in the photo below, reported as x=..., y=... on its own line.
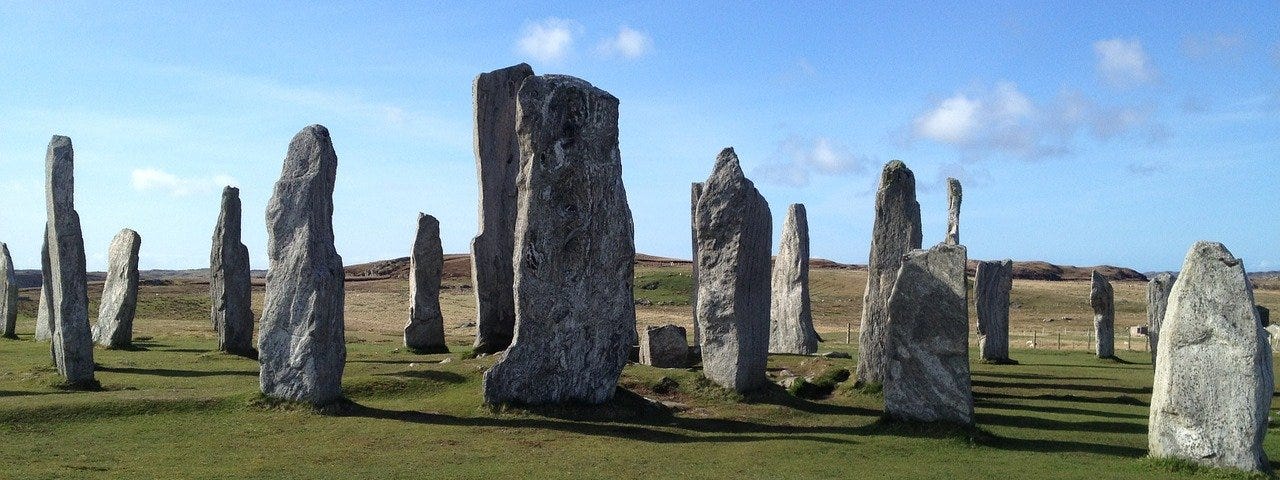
x=1037, y=270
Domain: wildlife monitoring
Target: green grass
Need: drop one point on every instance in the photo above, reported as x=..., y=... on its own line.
x=663, y=286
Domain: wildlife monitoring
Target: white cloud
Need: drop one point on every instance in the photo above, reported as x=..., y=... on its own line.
x=952, y=121
x=798, y=159
x=548, y=40
x=629, y=43
x=148, y=179
x=1123, y=63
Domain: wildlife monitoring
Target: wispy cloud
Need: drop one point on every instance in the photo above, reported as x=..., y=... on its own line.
x=548, y=40
x=151, y=179
x=628, y=43
x=1123, y=63
x=798, y=159
x=1221, y=46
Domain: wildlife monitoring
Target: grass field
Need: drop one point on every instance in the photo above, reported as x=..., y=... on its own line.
x=175, y=409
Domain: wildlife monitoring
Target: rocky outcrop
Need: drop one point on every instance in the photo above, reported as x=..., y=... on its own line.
x=119, y=292
x=1102, y=299
x=425, y=331
x=790, y=317
x=992, y=284
x=230, y=287
x=896, y=231
x=65, y=262
x=1157, y=302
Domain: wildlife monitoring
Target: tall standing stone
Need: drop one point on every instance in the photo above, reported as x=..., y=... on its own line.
x=896, y=231
x=695, y=191
x=953, y=211
x=301, y=344
x=425, y=331
x=790, y=318
x=574, y=250
x=44, y=321
x=992, y=283
x=734, y=247
x=230, y=287
x=1158, y=289
x=119, y=292
x=1213, y=382
x=497, y=164
x=1102, y=299
x=68, y=288
x=8, y=295
x=927, y=379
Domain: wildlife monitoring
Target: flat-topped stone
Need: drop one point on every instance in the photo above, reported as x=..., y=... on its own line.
x=664, y=347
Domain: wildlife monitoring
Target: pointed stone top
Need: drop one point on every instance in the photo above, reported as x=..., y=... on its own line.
x=59, y=168
x=727, y=164
x=1096, y=277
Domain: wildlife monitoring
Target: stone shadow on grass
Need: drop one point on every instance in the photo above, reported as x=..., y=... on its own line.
x=1053, y=409
x=1060, y=386
x=1116, y=400
x=1040, y=423
x=1032, y=376
x=167, y=372
x=975, y=435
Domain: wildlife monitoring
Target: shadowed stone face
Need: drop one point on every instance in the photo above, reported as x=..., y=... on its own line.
x=664, y=347
x=1158, y=289
x=301, y=345
x=790, y=318
x=1213, y=381
x=896, y=231
x=119, y=292
x=574, y=250
x=65, y=264
x=8, y=295
x=425, y=331
x=229, y=284
x=1102, y=299
x=992, y=283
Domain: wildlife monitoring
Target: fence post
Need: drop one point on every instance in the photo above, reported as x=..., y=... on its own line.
x=1059, y=339
x=848, y=333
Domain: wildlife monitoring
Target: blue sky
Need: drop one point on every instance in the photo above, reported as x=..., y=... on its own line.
x=1084, y=133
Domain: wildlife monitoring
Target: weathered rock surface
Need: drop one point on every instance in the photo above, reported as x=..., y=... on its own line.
x=8, y=295
x=953, y=211
x=1158, y=289
x=119, y=292
x=574, y=250
x=497, y=166
x=425, y=331
x=68, y=289
x=44, y=321
x=734, y=230
x=301, y=343
x=790, y=318
x=896, y=231
x=1213, y=382
x=695, y=191
x=1102, y=299
x=229, y=280
x=927, y=379
x=664, y=347
x=992, y=284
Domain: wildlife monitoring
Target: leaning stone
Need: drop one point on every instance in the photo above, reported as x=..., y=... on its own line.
x=790, y=318
x=497, y=165
x=574, y=250
x=953, y=211
x=8, y=295
x=992, y=283
x=119, y=292
x=1213, y=383
x=44, y=321
x=1157, y=302
x=734, y=236
x=68, y=288
x=695, y=191
x=896, y=231
x=301, y=344
x=230, y=286
x=664, y=347
x=425, y=331
x=1102, y=299
x=927, y=379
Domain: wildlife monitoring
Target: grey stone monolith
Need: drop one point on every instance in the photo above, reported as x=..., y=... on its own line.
x=1102, y=299
x=695, y=191
x=993, y=281
x=927, y=378
x=8, y=295
x=68, y=288
x=574, y=250
x=895, y=232
x=301, y=342
x=230, y=287
x=425, y=331
x=497, y=151
x=44, y=321
x=953, y=211
x=790, y=317
x=119, y=292
x=664, y=347
x=1158, y=289
x=1213, y=382
x=734, y=247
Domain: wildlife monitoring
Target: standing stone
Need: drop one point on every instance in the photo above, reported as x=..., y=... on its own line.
x=8, y=295
x=790, y=319
x=734, y=247
x=574, y=250
x=896, y=231
x=229, y=284
x=1157, y=302
x=44, y=321
x=927, y=379
x=664, y=347
x=301, y=344
x=119, y=292
x=1213, y=383
x=497, y=165
x=695, y=192
x=1102, y=299
x=425, y=331
x=953, y=211
x=68, y=288
x=992, y=283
